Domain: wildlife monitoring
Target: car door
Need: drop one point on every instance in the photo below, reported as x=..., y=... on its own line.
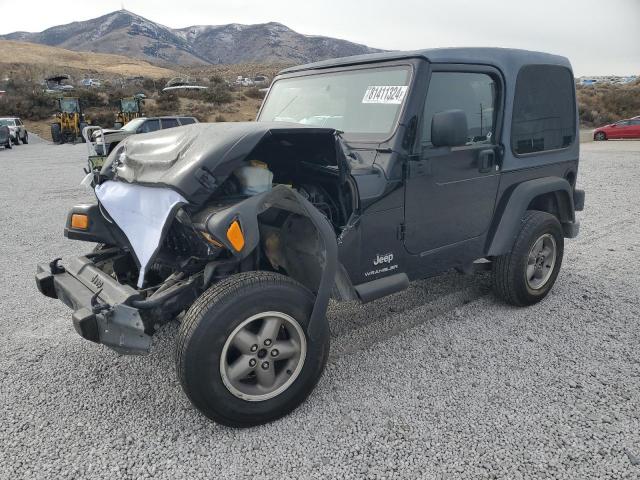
x=634, y=128
x=450, y=192
x=620, y=130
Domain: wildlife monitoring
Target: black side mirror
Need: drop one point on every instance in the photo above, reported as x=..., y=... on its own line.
x=449, y=129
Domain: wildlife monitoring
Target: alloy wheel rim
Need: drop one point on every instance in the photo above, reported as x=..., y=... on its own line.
x=263, y=356
x=541, y=261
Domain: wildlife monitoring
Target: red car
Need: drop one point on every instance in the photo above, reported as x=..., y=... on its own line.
x=622, y=129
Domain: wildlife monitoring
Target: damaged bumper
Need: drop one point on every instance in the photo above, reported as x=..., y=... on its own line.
x=102, y=310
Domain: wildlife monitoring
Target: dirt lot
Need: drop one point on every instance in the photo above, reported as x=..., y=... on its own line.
x=440, y=381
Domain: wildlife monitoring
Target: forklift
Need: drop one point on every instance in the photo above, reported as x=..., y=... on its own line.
x=130, y=108
x=69, y=121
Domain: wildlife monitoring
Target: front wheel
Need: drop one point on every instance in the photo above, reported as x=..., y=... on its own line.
x=600, y=136
x=244, y=356
x=525, y=275
x=8, y=145
x=25, y=139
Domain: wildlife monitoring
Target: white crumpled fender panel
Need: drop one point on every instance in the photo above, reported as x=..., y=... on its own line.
x=141, y=213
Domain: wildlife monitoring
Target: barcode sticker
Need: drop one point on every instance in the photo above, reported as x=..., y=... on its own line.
x=387, y=94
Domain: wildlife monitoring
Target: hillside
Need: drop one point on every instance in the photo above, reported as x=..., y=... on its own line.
x=53, y=59
x=125, y=33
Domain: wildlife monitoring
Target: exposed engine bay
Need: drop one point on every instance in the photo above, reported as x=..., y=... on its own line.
x=306, y=164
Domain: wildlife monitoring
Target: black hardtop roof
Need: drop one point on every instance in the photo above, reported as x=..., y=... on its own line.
x=503, y=58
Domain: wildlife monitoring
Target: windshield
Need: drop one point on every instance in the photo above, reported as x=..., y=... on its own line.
x=133, y=125
x=361, y=102
x=6, y=122
x=129, y=105
x=69, y=105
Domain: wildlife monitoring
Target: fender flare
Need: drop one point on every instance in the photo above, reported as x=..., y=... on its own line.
x=516, y=205
x=282, y=197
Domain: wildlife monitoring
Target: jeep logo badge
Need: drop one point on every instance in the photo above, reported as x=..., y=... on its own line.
x=97, y=281
x=386, y=258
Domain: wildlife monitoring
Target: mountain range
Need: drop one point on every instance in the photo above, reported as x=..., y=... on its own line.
x=125, y=33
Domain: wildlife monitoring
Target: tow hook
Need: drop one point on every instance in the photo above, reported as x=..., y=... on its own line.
x=96, y=306
x=55, y=267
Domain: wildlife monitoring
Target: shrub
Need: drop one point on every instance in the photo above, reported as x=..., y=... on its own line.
x=601, y=104
x=168, y=103
x=90, y=98
x=217, y=94
x=254, y=92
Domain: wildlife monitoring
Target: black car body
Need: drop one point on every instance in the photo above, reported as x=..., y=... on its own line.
x=5, y=137
x=386, y=168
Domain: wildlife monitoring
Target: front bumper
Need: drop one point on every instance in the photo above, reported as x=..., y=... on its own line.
x=102, y=310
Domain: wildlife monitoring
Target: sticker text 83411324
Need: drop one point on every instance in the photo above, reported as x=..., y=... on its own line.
x=388, y=94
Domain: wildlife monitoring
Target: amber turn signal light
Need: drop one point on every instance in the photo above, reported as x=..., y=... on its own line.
x=235, y=236
x=79, y=221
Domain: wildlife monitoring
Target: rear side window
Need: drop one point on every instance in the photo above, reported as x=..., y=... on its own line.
x=544, y=109
x=187, y=120
x=150, y=126
x=169, y=123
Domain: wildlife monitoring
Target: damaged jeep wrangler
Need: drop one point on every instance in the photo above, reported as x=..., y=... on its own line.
x=360, y=175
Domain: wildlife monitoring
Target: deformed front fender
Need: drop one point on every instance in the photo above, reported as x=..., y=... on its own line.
x=283, y=198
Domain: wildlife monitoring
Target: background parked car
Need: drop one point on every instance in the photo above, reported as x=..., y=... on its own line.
x=17, y=129
x=139, y=125
x=622, y=129
x=5, y=137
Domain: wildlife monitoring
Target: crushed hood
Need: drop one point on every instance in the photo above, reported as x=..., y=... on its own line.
x=193, y=160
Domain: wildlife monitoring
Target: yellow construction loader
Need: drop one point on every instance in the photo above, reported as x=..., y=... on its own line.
x=69, y=121
x=130, y=108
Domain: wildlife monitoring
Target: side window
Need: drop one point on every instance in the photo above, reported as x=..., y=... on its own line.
x=169, y=123
x=473, y=93
x=150, y=126
x=635, y=122
x=544, y=115
x=623, y=123
x=187, y=120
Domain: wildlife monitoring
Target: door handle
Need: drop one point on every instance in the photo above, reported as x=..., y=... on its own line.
x=487, y=160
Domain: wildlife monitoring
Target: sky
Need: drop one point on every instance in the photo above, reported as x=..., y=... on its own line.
x=600, y=37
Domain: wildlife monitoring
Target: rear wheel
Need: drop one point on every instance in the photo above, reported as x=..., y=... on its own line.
x=25, y=139
x=244, y=356
x=56, y=136
x=526, y=274
x=600, y=136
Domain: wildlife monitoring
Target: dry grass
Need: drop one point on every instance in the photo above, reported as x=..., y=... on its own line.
x=602, y=104
x=58, y=58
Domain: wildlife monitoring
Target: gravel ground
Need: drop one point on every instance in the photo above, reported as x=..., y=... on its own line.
x=440, y=381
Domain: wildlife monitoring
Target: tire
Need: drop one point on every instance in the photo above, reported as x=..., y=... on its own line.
x=25, y=139
x=56, y=136
x=8, y=145
x=512, y=272
x=83, y=125
x=204, y=347
x=16, y=141
x=600, y=136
